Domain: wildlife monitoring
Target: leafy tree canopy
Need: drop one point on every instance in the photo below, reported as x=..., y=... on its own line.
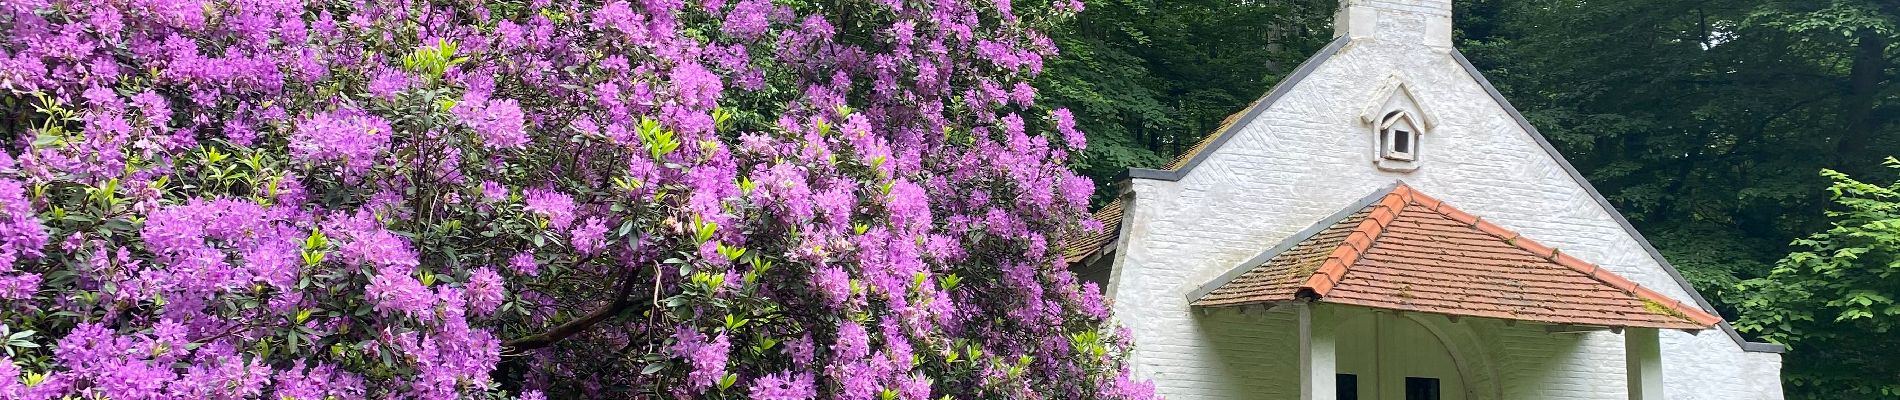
x=1147, y=79
x=1836, y=299
x=1701, y=119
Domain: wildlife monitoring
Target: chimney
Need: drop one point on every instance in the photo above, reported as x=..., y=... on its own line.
x=1425, y=22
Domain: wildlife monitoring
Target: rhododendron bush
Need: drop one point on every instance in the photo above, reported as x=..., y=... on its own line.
x=790, y=199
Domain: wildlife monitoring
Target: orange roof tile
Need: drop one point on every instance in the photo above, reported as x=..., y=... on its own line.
x=1110, y=216
x=1408, y=251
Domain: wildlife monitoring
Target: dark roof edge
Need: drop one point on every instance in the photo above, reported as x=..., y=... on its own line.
x=1605, y=203
x=1279, y=90
x=1284, y=245
x=1123, y=227
x=1126, y=195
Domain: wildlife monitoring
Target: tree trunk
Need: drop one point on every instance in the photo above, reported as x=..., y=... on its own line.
x=1863, y=89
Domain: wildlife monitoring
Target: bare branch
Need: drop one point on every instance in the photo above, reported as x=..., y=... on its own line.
x=620, y=303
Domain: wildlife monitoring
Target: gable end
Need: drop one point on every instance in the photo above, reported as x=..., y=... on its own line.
x=1756, y=347
x=1201, y=152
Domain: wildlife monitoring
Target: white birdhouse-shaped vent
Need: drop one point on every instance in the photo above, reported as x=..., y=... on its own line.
x=1399, y=137
x=1399, y=126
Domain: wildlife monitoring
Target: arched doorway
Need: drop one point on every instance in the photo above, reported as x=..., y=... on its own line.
x=1385, y=356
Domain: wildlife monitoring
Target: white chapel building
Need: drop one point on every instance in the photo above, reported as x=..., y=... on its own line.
x=1383, y=225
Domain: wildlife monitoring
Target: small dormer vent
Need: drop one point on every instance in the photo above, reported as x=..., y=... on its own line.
x=1399, y=125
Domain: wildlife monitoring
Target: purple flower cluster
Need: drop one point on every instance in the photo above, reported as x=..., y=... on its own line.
x=498, y=121
x=347, y=137
x=706, y=357
x=587, y=238
x=557, y=207
x=484, y=290
x=387, y=199
x=523, y=263
x=21, y=236
x=784, y=386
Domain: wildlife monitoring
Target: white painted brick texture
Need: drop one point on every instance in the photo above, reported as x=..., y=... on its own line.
x=1308, y=156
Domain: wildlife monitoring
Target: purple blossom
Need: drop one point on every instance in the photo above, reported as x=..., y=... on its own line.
x=364, y=241
x=748, y=19
x=21, y=234
x=1076, y=190
x=587, y=238
x=493, y=191
x=784, y=386
x=500, y=123
x=856, y=380
x=156, y=110
x=387, y=83
x=399, y=293
x=802, y=350
x=352, y=138
x=484, y=290
x=913, y=387
x=10, y=386
x=1023, y=94
x=833, y=284
x=19, y=287
x=1065, y=124
x=523, y=263
x=1124, y=386
x=317, y=382
x=557, y=207
x=697, y=86
x=909, y=204
x=90, y=344
x=853, y=343
x=706, y=357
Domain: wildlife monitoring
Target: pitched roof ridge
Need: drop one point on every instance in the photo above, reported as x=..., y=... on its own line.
x=1380, y=215
x=1557, y=256
x=1181, y=163
x=1291, y=241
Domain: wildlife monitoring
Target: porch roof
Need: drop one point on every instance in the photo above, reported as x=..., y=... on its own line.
x=1404, y=250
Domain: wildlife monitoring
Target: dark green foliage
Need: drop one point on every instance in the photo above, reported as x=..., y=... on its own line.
x=1148, y=78
x=1833, y=299
x=1702, y=120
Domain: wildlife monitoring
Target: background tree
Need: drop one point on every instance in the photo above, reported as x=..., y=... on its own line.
x=1147, y=79
x=1834, y=299
x=1698, y=118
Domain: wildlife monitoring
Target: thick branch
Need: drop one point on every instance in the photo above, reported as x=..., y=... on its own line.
x=1863, y=92
x=544, y=339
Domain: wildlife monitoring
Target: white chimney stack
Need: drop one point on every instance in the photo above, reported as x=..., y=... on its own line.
x=1425, y=22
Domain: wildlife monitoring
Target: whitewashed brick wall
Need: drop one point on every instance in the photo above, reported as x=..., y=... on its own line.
x=1308, y=156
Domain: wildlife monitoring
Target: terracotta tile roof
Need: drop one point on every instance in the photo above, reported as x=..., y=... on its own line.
x=1409, y=251
x=1110, y=215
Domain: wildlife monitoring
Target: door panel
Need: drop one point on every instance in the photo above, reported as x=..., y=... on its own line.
x=1394, y=358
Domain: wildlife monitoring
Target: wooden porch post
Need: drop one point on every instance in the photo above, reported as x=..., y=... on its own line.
x=1318, y=361
x=1643, y=354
